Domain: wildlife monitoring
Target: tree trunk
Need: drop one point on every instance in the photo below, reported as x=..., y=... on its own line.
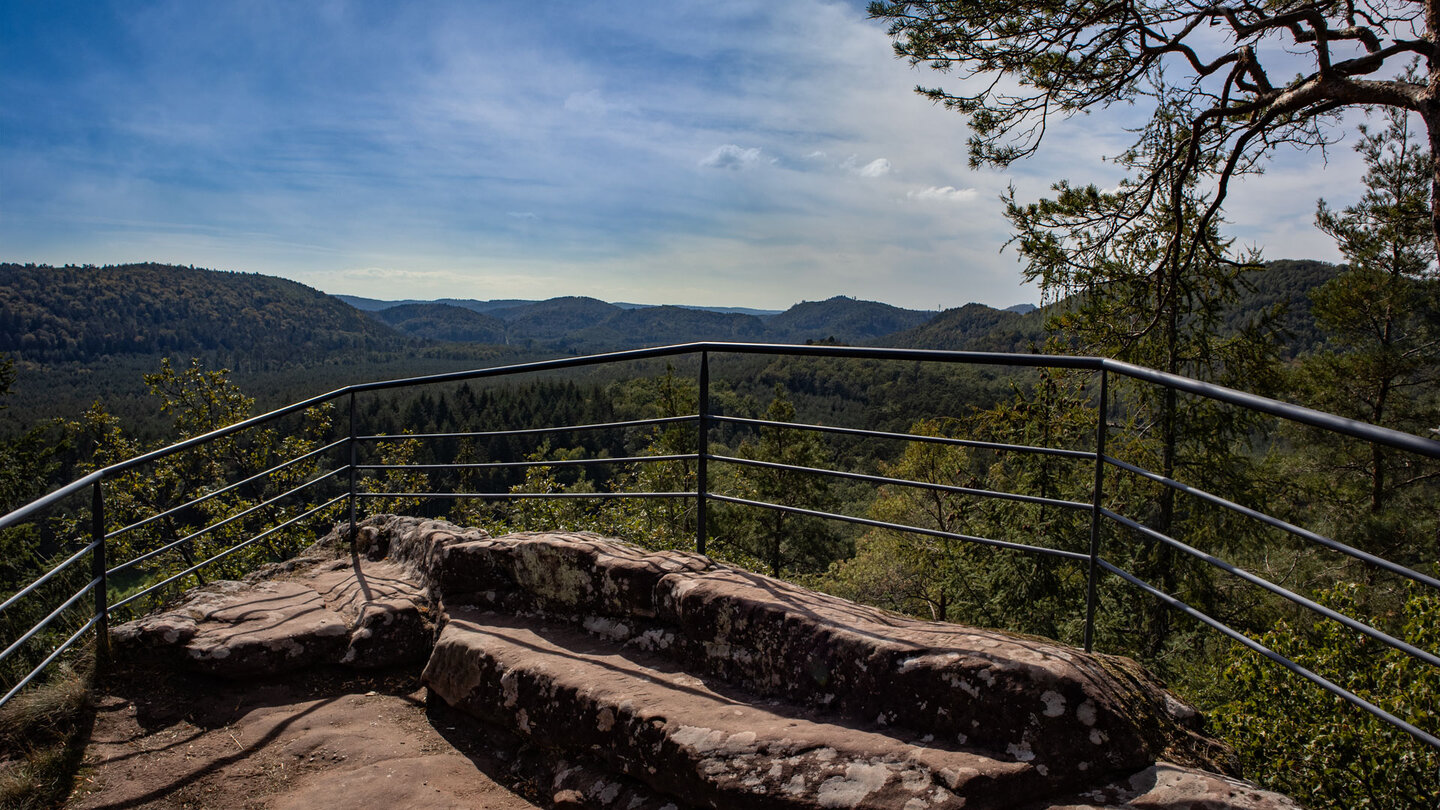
x=1430, y=113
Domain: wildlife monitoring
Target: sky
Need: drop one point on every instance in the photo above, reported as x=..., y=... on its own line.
x=736, y=153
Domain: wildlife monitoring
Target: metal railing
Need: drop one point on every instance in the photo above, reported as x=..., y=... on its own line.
x=339, y=487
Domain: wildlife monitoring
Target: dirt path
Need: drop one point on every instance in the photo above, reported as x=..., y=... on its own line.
x=316, y=740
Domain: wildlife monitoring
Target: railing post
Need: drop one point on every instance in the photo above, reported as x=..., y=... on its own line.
x=354, y=456
x=1097, y=499
x=98, y=566
x=702, y=476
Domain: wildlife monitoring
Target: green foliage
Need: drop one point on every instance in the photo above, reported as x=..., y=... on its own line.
x=974, y=327
x=161, y=501
x=445, y=322
x=1298, y=739
x=658, y=326
x=655, y=523
x=1381, y=362
x=841, y=318
x=957, y=580
x=28, y=464
x=1135, y=296
x=396, y=482
x=786, y=542
x=1279, y=293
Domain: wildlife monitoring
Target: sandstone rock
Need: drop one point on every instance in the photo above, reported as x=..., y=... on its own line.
x=239, y=629
x=1025, y=699
x=388, y=616
x=1168, y=787
x=665, y=680
x=341, y=612
x=715, y=747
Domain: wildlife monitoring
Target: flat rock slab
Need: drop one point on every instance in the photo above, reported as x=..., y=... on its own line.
x=361, y=743
x=717, y=747
x=361, y=613
x=1069, y=714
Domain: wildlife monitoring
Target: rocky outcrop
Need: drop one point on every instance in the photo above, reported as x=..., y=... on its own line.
x=361, y=613
x=689, y=683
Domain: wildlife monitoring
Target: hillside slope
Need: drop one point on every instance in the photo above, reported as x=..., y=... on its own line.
x=444, y=322
x=843, y=318
x=658, y=326
x=58, y=314
x=973, y=327
x=555, y=318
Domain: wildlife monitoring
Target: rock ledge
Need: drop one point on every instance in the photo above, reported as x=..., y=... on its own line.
x=668, y=680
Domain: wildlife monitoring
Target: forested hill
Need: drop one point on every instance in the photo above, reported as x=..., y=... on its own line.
x=975, y=327
x=444, y=322
x=59, y=314
x=1285, y=284
x=80, y=334
x=64, y=314
x=576, y=324
x=844, y=319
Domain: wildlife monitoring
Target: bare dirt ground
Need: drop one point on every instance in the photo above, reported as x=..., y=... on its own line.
x=323, y=739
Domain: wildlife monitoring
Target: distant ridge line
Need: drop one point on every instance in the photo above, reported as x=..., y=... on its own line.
x=377, y=304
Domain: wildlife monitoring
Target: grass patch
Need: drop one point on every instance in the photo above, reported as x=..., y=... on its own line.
x=42, y=738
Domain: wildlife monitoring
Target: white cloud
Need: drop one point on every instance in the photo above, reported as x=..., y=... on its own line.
x=731, y=157
x=879, y=167
x=943, y=194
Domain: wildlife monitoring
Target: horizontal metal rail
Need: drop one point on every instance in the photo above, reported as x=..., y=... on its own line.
x=45, y=622
x=1285, y=410
x=1265, y=584
x=28, y=589
x=1366, y=557
x=488, y=434
x=498, y=465
x=226, y=521
x=912, y=437
x=1296, y=413
x=905, y=482
x=50, y=659
x=227, y=552
x=80, y=484
x=1234, y=635
x=230, y=488
x=505, y=496
x=900, y=527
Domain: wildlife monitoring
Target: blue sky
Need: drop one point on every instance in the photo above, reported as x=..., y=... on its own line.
x=718, y=153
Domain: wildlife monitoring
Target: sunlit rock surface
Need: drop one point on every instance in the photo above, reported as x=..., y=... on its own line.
x=665, y=679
